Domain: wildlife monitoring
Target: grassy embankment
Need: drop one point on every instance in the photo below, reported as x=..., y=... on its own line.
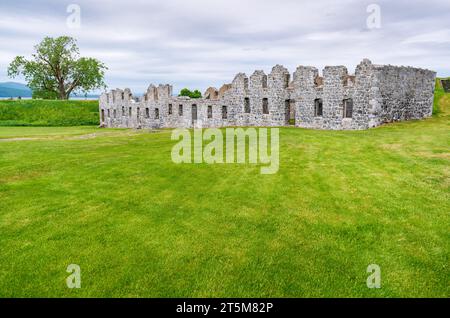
x=48, y=113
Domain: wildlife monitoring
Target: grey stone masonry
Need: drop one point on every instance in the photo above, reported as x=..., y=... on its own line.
x=446, y=85
x=374, y=95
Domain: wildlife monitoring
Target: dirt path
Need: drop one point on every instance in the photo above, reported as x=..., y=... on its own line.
x=81, y=137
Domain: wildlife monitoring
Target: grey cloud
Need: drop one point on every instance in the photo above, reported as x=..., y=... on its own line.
x=199, y=43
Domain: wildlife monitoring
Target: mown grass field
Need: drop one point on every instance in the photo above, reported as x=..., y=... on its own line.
x=139, y=225
x=48, y=113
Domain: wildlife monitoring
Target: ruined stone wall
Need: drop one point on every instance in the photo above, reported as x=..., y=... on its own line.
x=333, y=89
x=405, y=92
x=305, y=92
x=446, y=85
x=377, y=94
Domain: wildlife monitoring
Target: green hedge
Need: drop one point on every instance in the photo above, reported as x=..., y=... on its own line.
x=48, y=113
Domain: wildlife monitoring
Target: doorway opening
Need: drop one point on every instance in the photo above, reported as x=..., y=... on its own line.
x=290, y=112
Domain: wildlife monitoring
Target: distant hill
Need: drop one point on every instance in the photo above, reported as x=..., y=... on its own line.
x=12, y=89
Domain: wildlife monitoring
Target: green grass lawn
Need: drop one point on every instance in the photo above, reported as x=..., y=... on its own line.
x=48, y=113
x=139, y=225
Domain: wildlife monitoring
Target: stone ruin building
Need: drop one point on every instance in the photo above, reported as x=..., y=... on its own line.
x=446, y=85
x=374, y=95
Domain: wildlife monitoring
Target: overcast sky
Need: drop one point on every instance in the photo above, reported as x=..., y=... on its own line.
x=202, y=43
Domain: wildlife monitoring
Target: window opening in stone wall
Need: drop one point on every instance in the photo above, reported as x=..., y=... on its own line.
x=224, y=112
x=194, y=112
x=290, y=111
x=318, y=107
x=247, y=105
x=348, y=108
x=264, y=81
x=209, y=111
x=286, y=80
x=265, y=105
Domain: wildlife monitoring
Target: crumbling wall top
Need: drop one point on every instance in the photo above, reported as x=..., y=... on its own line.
x=211, y=93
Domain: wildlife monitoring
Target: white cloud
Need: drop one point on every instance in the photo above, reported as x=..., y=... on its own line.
x=199, y=43
x=439, y=36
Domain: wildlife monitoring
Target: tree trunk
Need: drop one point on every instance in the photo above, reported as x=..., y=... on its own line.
x=62, y=92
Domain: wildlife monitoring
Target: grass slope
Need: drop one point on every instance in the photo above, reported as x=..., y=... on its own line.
x=139, y=225
x=48, y=113
x=438, y=94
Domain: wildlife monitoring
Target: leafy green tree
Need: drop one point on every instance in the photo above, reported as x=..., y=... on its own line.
x=185, y=92
x=196, y=94
x=39, y=94
x=57, y=70
x=192, y=94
